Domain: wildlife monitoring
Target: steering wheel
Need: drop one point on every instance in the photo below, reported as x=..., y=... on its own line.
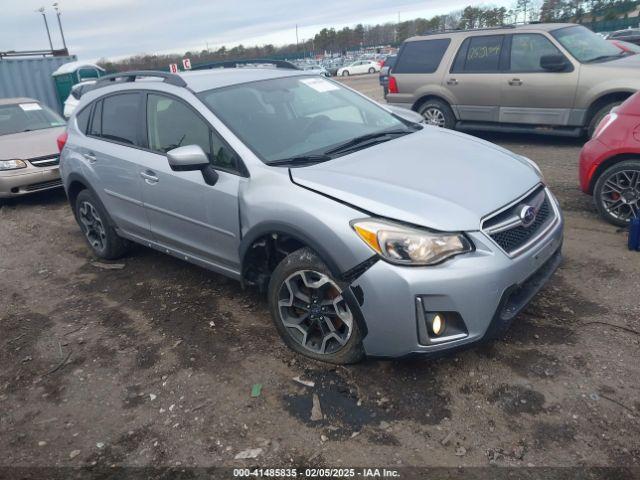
x=314, y=123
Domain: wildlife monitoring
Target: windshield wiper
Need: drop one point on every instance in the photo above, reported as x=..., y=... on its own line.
x=366, y=140
x=301, y=160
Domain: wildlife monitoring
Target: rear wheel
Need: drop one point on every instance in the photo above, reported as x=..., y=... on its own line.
x=598, y=116
x=345, y=73
x=100, y=235
x=310, y=312
x=372, y=70
x=617, y=192
x=438, y=113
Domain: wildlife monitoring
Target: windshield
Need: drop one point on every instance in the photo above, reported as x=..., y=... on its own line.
x=297, y=116
x=585, y=45
x=24, y=117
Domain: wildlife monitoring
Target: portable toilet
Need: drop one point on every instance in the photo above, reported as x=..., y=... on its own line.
x=67, y=75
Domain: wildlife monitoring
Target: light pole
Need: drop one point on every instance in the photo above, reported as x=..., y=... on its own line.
x=46, y=25
x=55, y=7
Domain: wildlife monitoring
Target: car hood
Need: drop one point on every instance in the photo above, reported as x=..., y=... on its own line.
x=435, y=178
x=625, y=62
x=26, y=145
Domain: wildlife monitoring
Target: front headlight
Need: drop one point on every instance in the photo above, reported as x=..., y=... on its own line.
x=409, y=246
x=12, y=164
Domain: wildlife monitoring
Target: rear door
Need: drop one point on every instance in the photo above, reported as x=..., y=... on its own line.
x=111, y=150
x=185, y=213
x=473, y=81
x=530, y=94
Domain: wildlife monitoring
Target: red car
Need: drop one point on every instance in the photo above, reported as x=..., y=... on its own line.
x=610, y=164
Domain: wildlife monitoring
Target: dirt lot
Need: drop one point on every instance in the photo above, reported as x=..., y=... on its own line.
x=154, y=363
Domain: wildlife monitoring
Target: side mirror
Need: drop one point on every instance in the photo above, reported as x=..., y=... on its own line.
x=187, y=158
x=192, y=157
x=554, y=63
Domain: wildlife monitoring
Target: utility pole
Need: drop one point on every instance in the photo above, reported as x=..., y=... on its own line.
x=46, y=25
x=55, y=7
x=297, y=47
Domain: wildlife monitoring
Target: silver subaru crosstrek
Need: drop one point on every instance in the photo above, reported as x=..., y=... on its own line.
x=371, y=234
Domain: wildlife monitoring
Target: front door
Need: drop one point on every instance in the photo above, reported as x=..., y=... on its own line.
x=185, y=213
x=530, y=94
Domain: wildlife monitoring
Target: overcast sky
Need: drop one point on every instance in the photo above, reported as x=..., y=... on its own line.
x=117, y=28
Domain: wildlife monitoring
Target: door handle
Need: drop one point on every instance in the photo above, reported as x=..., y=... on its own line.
x=91, y=157
x=515, y=82
x=149, y=177
x=452, y=81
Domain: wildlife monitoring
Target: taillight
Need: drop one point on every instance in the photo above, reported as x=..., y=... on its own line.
x=393, y=85
x=62, y=139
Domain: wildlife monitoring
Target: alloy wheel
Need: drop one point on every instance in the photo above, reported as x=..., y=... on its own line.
x=92, y=226
x=314, y=312
x=434, y=116
x=620, y=194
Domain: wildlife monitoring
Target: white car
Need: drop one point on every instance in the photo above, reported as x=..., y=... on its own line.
x=74, y=97
x=359, y=67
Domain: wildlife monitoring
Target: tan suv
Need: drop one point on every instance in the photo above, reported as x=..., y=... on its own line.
x=548, y=78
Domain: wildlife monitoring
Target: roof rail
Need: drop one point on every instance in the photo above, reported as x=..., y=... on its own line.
x=242, y=62
x=461, y=30
x=170, y=78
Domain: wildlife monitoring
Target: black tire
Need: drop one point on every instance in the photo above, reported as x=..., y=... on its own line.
x=372, y=70
x=431, y=106
x=101, y=237
x=307, y=260
x=345, y=73
x=599, y=192
x=598, y=116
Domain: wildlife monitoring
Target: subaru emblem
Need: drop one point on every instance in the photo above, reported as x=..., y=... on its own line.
x=528, y=215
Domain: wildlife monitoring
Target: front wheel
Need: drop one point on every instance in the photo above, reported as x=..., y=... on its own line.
x=345, y=73
x=438, y=113
x=372, y=70
x=617, y=193
x=310, y=311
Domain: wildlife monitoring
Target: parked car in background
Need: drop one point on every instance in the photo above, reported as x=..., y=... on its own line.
x=548, y=78
x=319, y=69
x=359, y=67
x=626, y=46
x=74, y=97
x=28, y=148
x=343, y=212
x=385, y=70
x=610, y=164
x=631, y=35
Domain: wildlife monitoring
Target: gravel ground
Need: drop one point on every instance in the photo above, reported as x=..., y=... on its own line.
x=154, y=363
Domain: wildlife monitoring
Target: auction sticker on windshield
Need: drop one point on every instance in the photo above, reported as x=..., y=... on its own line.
x=319, y=84
x=27, y=107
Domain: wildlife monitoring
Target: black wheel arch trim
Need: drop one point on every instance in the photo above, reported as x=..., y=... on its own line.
x=76, y=177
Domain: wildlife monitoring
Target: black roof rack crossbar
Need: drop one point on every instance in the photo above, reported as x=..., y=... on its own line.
x=460, y=30
x=241, y=62
x=170, y=78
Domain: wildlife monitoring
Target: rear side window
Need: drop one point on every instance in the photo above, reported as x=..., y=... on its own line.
x=83, y=119
x=479, y=55
x=423, y=56
x=120, y=118
x=96, y=121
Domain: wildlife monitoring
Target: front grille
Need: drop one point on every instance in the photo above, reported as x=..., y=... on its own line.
x=47, y=161
x=43, y=185
x=508, y=231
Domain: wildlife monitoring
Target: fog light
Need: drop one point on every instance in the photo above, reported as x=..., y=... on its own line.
x=437, y=324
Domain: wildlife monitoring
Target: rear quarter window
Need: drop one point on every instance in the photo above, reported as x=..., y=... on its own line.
x=422, y=56
x=83, y=119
